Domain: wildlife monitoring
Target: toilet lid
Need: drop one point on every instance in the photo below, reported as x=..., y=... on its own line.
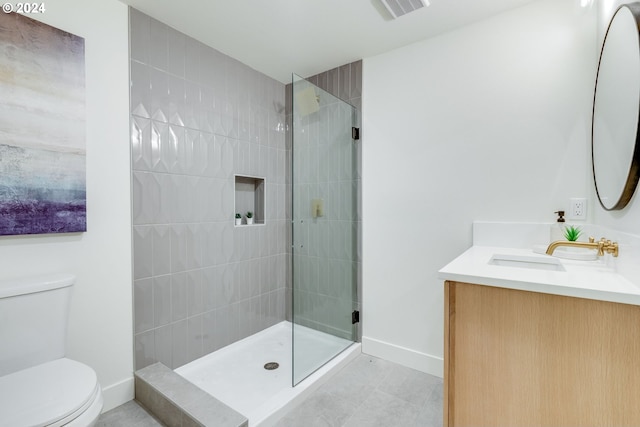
x=45, y=393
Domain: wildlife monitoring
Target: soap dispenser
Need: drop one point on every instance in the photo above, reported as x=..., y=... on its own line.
x=557, y=229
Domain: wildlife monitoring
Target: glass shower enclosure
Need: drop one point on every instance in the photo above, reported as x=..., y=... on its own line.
x=324, y=221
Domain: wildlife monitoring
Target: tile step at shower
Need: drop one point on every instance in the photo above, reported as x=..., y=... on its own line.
x=178, y=403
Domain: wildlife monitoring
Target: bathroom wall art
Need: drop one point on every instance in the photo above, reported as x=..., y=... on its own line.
x=42, y=128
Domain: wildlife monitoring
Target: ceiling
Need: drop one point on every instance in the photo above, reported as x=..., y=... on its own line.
x=278, y=37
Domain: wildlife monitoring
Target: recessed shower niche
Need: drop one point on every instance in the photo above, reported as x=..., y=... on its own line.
x=249, y=197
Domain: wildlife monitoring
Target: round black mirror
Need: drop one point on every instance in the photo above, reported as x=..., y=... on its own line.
x=615, y=136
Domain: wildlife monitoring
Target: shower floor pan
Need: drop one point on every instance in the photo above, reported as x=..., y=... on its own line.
x=236, y=374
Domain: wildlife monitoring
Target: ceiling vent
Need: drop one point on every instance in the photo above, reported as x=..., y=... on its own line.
x=398, y=8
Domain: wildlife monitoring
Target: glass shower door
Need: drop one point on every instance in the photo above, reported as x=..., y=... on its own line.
x=324, y=235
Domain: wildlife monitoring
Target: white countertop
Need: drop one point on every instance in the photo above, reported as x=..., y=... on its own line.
x=582, y=279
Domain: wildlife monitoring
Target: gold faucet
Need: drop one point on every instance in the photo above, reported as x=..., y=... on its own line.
x=603, y=245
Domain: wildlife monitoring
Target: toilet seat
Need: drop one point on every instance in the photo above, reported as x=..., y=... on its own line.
x=51, y=394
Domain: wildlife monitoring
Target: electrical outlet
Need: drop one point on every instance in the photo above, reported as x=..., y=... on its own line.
x=578, y=208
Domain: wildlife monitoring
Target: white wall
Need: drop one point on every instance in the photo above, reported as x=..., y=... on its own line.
x=100, y=321
x=489, y=122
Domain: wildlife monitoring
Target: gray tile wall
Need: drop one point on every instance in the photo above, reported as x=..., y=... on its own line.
x=323, y=267
x=197, y=118
x=345, y=82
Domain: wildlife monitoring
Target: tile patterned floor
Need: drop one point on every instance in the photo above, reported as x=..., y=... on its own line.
x=372, y=392
x=131, y=414
x=367, y=392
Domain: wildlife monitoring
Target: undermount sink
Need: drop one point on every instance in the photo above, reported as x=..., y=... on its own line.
x=520, y=261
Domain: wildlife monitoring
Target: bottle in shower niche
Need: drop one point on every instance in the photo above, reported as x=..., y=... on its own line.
x=557, y=229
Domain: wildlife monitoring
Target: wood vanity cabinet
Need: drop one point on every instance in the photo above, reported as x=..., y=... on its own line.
x=518, y=358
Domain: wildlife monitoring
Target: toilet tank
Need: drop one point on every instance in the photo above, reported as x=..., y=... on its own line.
x=33, y=320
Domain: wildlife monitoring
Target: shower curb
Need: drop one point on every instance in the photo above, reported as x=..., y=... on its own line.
x=178, y=403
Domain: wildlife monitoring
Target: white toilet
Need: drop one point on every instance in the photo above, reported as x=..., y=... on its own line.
x=38, y=385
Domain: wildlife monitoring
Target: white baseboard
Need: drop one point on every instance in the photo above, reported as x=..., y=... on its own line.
x=117, y=394
x=428, y=363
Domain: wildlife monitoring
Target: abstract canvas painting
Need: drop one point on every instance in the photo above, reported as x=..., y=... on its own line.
x=42, y=128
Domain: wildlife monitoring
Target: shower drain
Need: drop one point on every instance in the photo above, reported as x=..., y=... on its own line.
x=271, y=366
